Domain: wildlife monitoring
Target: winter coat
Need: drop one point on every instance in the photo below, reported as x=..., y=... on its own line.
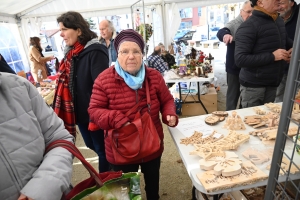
x=27, y=126
x=290, y=26
x=112, y=98
x=87, y=66
x=256, y=40
x=37, y=62
x=230, y=28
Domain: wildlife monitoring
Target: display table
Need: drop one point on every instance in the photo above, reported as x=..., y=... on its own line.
x=197, y=80
x=191, y=162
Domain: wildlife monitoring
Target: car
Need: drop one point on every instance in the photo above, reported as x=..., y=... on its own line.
x=184, y=39
x=180, y=34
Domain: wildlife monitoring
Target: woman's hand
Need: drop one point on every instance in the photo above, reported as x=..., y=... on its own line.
x=23, y=197
x=171, y=120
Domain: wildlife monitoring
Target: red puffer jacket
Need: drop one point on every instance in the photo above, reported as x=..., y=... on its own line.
x=112, y=98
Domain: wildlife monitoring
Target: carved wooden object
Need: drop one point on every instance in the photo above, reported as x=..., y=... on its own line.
x=234, y=122
x=230, y=142
x=249, y=175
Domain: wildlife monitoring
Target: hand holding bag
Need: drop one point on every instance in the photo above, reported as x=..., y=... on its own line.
x=136, y=140
x=107, y=184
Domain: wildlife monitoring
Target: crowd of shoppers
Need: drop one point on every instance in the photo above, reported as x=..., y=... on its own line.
x=96, y=97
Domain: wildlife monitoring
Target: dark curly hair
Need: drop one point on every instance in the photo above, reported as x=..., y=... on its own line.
x=253, y=3
x=74, y=20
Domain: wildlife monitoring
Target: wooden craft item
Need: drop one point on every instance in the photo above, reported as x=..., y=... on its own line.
x=285, y=164
x=220, y=113
x=197, y=138
x=212, y=120
x=274, y=107
x=259, y=111
x=257, y=157
x=249, y=175
x=225, y=164
x=270, y=133
x=234, y=122
x=230, y=142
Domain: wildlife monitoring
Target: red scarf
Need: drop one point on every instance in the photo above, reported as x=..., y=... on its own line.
x=63, y=104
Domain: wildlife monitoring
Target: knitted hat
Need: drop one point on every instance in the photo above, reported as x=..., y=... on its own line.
x=129, y=35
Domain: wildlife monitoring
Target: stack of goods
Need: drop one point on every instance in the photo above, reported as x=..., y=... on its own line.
x=47, y=90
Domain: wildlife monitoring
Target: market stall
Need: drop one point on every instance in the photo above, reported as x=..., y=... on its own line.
x=193, y=76
x=46, y=89
x=253, y=153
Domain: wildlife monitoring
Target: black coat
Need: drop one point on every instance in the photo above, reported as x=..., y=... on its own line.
x=290, y=26
x=256, y=40
x=4, y=67
x=230, y=64
x=87, y=66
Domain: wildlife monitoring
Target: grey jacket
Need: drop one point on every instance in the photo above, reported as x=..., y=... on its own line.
x=27, y=126
x=234, y=24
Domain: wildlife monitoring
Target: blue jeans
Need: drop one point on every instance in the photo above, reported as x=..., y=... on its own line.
x=95, y=141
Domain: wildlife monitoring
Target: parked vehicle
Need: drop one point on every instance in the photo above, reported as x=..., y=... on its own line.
x=184, y=39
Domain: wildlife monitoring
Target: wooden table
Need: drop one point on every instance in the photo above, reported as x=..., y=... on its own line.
x=191, y=162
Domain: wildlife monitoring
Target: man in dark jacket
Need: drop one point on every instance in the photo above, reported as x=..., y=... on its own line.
x=262, y=49
x=227, y=35
x=289, y=11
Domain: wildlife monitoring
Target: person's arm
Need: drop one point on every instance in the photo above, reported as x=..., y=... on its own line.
x=222, y=32
x=244, y=44
x=38, y=57
x=53, y=176
x=106, y=119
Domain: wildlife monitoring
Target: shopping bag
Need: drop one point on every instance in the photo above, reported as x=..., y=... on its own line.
x=126, y=187
x=103, y=184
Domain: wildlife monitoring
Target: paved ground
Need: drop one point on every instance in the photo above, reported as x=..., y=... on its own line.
x=175, y=183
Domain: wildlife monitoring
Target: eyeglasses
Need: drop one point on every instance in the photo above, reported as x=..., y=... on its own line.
x=248, y=12
x=127, y=52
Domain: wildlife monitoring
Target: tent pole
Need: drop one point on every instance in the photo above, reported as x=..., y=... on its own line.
x=164, y=21
x=19, y=24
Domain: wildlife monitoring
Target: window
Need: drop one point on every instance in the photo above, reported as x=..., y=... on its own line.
x=10, y=50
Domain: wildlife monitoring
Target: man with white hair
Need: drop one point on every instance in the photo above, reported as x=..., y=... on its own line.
x=227, y=35
x=289, y=11
x=107, y=37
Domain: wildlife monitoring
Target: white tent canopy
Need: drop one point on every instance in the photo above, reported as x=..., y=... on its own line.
x=48, y=10
x=30, y=14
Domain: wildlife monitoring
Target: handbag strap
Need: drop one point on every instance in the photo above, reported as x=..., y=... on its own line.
x=137, y=105
x=73, y=150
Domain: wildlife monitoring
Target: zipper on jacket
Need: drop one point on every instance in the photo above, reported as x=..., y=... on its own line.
x=10, y=170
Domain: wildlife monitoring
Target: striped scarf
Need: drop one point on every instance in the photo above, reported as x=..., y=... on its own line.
x=63, y=105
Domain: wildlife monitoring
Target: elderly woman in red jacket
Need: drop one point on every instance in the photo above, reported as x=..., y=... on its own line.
x=121, y=87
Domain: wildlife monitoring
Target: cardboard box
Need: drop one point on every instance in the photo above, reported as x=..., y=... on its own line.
x=191, y=107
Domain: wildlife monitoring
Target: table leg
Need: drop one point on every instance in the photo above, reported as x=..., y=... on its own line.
x=194, y=193
x=198, y=93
